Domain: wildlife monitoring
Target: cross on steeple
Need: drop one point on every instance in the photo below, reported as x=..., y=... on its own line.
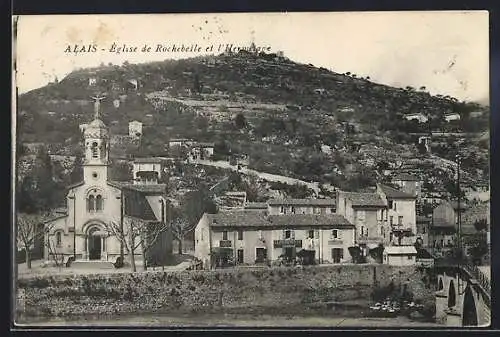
x=97, y=103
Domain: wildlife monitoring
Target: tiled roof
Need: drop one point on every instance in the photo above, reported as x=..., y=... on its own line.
x=239, y=218
x=303, y=202
x=365, y=199
x=400, y=250
x=256, y=219
x=137, y=206
x=256, y=205
x=393, y=193
x=201, y=144
x=303, y=220
x=405, y=177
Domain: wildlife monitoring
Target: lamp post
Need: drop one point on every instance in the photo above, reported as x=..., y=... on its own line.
x=73, y=197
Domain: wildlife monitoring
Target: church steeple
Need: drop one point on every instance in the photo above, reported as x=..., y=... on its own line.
x=96, y=145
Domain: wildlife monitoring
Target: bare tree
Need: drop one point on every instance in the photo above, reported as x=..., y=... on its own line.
x=30, y=231
x=180, y=227
x=55, y=254
x=136, y=233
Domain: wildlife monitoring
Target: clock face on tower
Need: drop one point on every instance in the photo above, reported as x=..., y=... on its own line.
x=95, y=175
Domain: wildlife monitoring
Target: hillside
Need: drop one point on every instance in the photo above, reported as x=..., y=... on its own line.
x=295, y=119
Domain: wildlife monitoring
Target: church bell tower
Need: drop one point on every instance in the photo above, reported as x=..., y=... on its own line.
x=96, y=137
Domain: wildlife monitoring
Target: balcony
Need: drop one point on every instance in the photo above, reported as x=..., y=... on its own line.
x=369, y=239
x=225, y=244
x=284, y=243
x=332, y=242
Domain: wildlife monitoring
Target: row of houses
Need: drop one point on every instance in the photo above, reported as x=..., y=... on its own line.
x=324, y=229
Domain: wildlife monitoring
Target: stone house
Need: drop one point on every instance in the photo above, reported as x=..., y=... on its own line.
x=400, y=214
x=253, y=236
x=400, y=255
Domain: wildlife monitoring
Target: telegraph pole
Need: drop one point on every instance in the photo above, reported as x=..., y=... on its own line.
x=459, y=216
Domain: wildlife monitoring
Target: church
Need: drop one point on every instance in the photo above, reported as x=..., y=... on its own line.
x=100, y=212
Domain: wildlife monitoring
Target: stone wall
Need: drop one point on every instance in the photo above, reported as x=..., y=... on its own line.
x=289, y=289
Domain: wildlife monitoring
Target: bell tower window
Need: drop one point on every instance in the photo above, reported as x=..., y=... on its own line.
x=95, y=150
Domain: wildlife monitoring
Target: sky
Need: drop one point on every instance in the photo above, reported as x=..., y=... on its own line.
x=447, y=52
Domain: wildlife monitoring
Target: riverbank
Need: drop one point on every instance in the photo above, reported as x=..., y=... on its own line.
x=233, y=321
x=343, y=290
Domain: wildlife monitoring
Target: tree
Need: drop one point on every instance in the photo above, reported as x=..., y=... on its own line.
x=30, y=231
x=240, y=121
x=76, y=174
x=136, y=233
x=180, y=227
x=192, y=206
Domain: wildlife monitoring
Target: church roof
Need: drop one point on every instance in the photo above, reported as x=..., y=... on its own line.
x=143, y=188
x=97, y=123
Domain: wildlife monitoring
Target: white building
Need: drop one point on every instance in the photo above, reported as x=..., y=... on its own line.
x=253, y=237
x=400, y=255
x=135, y=129
x=420, y=117
x=452, y=117
x=96, y=204
x=401, y=214
x=147, y=170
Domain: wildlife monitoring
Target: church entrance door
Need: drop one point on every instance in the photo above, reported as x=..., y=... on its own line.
x=94, y=247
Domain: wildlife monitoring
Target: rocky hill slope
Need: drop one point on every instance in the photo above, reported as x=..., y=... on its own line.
x=290, y=118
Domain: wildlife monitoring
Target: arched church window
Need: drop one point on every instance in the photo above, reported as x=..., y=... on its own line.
x=99, y=203
x=58, y=239
x=95, y=150
x=91, y=203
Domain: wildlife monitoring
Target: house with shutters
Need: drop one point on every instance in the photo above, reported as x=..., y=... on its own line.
x=366, y=211
x=400, y=215
x=267, y=232
x=96, y=203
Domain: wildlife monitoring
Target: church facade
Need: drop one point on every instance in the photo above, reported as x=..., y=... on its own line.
x=100, y=211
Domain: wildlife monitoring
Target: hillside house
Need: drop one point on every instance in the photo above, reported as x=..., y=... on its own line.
x=147, y=170
x=401, y=210
x=451, y=117
x=408, y=183
x=420, y=117
x=116, y=103
x=135, y=129
x=180, y=142
x=254, y=237
x=201, y=151
x=92, y=81
x=231, y=200
x=301, y=206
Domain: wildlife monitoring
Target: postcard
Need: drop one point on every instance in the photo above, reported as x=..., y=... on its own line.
x=252, y=170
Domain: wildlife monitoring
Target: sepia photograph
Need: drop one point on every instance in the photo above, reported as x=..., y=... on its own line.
x=251, y=170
